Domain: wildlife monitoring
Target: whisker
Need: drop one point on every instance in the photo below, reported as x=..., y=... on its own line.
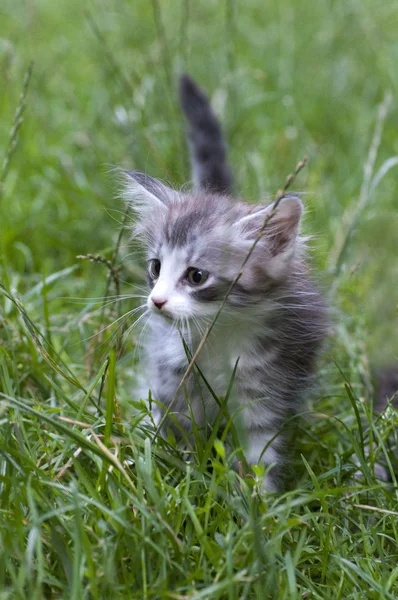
x=123, y=317
x=126, y=333
x=139, y=346
x=135, y=286
x=132, y=326
x=99, y=299
x=123, y=339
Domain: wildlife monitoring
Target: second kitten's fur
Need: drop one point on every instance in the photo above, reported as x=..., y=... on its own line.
x=273, y=320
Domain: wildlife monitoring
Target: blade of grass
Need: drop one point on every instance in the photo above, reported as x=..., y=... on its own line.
x=16, y=127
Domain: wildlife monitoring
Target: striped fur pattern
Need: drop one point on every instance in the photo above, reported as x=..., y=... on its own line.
x=273, y=320
x=208, y=151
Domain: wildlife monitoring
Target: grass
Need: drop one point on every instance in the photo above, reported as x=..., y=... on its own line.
x=90, y=505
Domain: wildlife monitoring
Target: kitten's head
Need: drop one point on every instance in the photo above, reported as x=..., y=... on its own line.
x=196, y=243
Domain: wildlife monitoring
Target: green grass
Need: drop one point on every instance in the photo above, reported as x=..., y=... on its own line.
x=90, y=505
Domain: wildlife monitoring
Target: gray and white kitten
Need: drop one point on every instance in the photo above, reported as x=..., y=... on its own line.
x=273, y=320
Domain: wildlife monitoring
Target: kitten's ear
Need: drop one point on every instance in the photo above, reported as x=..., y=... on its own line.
x=283, y=228
x=145, y=192
x=280, y=234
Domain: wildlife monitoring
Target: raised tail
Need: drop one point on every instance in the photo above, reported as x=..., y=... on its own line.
x=208, y=152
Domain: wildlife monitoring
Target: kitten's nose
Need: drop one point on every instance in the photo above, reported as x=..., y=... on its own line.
x=158, y=303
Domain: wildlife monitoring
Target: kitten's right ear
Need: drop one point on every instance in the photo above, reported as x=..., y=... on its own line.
x=144, y=193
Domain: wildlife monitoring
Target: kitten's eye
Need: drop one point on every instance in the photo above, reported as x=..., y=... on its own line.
x=154, y=268
x=196, y=276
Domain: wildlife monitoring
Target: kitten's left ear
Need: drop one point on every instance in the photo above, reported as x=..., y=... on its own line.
x=283, y=228
x=280, y=234
x=145, y=192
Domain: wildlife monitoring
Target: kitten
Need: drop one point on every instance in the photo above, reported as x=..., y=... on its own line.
x=273, y=321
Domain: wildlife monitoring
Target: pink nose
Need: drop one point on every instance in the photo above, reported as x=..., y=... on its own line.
x=158, y=303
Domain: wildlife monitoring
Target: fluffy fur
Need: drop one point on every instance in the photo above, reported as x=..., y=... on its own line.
x=273, y=320
x=208, y=151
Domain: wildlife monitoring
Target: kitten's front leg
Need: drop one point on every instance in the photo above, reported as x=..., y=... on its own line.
x=264, y=447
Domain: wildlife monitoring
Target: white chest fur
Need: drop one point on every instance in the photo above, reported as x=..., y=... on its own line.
x=228, y=345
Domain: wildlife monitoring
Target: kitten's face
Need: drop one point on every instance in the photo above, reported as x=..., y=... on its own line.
x=196, y=245
x=178, y=285
x=191, y=279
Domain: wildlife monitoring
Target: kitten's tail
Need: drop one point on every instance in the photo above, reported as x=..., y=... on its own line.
x=210, y=170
